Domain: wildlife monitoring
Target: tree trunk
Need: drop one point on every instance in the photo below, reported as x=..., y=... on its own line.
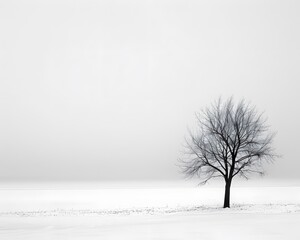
x=227, y=194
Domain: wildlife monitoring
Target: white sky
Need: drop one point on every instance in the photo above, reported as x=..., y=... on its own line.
x=106, y=89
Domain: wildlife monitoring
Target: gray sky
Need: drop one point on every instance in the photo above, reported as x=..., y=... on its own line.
x=106, y=89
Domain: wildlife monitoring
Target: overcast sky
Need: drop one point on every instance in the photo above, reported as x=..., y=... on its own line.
x=105, y=90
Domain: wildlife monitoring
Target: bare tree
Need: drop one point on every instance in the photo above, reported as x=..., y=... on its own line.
x=231, y=140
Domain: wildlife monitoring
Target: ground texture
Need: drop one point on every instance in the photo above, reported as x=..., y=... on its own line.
x=149, y=213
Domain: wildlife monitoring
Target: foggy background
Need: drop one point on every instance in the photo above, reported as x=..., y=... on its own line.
x=105, y=90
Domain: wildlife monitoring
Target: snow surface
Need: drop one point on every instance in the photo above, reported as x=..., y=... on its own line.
x=153, y=211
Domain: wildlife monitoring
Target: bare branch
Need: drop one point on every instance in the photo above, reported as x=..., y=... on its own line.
x=231, y=139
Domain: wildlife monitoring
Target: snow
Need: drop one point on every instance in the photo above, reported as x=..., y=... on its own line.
x=153, y=211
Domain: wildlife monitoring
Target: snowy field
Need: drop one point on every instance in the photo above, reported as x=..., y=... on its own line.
x=149, y=211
